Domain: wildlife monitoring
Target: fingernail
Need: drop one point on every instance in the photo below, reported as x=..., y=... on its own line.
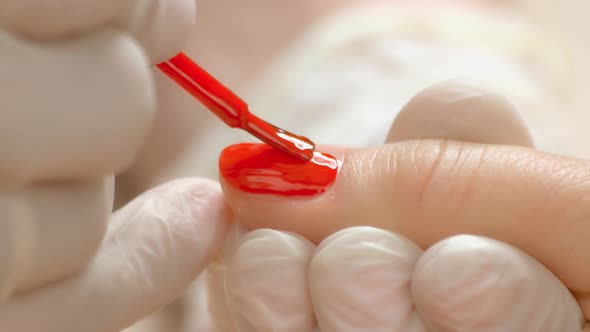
x=261, y=169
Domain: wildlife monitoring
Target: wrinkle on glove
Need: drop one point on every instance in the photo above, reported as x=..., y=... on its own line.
x=469, y=283
x=360, y=281
x=261, y=284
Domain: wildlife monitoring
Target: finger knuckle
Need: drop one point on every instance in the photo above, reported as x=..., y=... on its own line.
x=445, y=169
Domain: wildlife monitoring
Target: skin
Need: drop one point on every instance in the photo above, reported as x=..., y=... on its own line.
x=428, y=190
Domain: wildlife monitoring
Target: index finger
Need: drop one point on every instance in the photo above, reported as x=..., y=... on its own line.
x=428, y=190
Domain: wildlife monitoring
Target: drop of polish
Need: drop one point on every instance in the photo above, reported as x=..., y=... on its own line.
x=261, y=169
x=295, y=145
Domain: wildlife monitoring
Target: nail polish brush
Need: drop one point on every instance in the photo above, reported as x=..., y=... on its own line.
x=230, y=108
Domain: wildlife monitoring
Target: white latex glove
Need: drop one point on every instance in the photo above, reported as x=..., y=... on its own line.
x=260, y=283
x=77, y=102
x=366, y=279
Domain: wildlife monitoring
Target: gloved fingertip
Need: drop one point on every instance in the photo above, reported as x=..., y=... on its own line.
x=162, y=27
x=195, y=210
x=206, y=198
x=472, y=283
x=360, y=281
x=256, y=273
x=450, y=275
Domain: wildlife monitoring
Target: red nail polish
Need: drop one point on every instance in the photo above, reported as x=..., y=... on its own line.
x=232, y=110
x=261, y=169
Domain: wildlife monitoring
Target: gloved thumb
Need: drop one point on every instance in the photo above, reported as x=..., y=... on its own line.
x=470, y=283
x=260, y=283
x=155, y=247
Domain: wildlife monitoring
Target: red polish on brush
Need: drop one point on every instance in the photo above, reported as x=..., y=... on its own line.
x=230, y=108
x=296, y=170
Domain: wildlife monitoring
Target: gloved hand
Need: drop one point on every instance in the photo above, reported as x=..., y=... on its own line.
x=153, y=250
x=366, y=279
x=77, y=102
x=430, y=192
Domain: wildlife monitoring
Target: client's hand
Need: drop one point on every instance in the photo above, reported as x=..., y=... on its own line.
x=431, y=192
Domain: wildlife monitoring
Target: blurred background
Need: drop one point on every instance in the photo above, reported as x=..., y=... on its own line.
x=338, y=71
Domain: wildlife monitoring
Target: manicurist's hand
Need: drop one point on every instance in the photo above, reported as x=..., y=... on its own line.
x=77, y=101
x=387, y=249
